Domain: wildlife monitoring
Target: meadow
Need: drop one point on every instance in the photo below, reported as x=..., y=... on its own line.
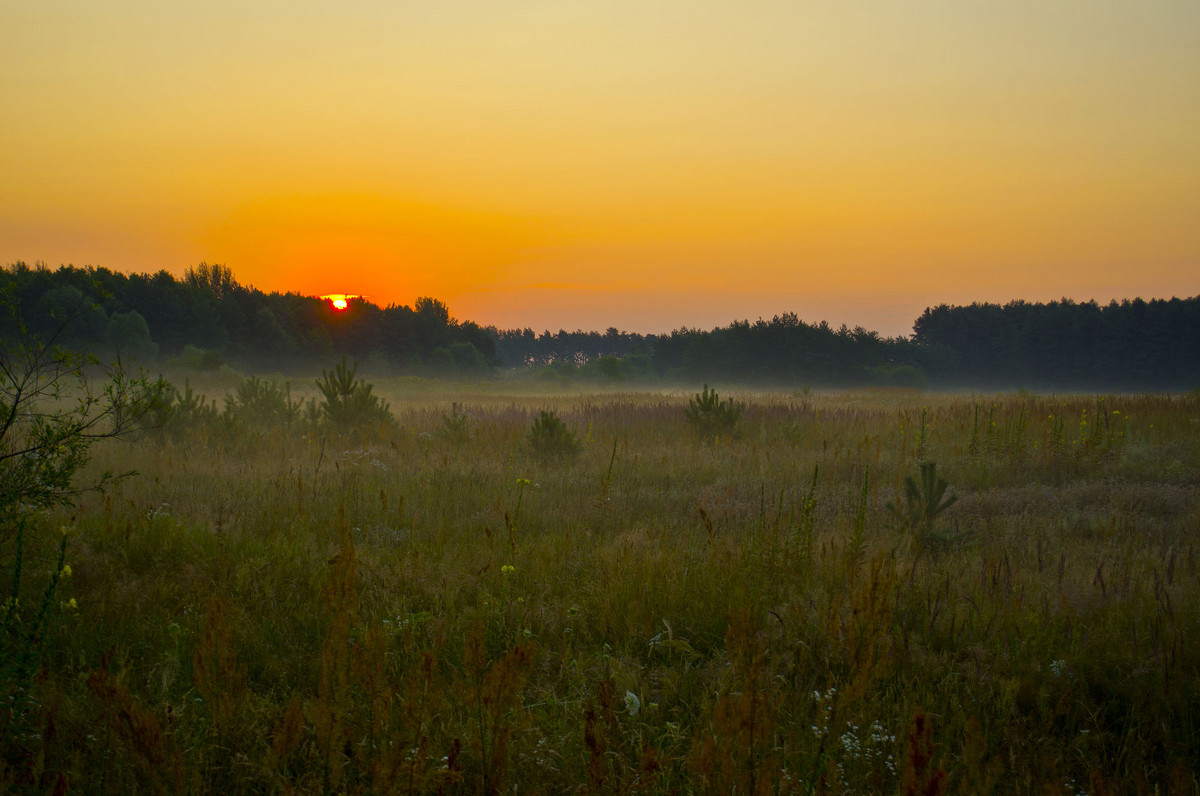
x=273, y=606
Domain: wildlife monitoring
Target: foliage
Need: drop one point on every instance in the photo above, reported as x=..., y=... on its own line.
x=51, y=413
x=456, y=426
x=924, y=499
x=263, y=404
x=710, y=416
x=206, y=319
x=188, y=410
x=458, y=359
x=322, y=617
x=199, y=359
x=1131, y=344
x=349, y=402
x=1128, y=345
x=550, y=438
x=21, y=652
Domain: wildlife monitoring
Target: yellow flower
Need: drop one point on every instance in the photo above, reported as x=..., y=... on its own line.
x=508, y=569
x=66, y=571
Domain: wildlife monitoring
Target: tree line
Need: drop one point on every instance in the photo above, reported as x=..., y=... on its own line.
x=206, y=317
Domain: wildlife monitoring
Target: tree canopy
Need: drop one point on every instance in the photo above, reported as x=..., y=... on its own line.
x=207, y=317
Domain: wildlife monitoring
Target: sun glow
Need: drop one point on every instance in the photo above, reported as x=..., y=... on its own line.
x=339, y=301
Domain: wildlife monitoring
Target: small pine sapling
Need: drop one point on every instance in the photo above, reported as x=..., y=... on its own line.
x=712, y=417
x=550, y=438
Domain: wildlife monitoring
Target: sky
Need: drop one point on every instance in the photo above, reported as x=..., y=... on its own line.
x=646, y=165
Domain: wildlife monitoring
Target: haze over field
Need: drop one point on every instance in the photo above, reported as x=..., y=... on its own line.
x=623, y=164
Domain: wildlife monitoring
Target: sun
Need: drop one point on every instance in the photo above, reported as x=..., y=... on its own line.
x=340, y=302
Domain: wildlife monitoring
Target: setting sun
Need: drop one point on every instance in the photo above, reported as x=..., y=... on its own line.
x=339, y=301
x=642, y=166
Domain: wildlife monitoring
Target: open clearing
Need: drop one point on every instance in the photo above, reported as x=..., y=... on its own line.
x=268, y=607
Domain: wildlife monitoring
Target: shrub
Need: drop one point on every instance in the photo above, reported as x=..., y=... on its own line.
x=551, y=439
x=201, y=359
x=51, y=415
x=711, y=416
x=181, y=413
x=923, y=502
x=263, y=404
x=456, y=426
x=348, y=402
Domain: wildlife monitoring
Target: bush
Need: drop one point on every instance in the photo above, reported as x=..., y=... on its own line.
x=197, y=358
x=263, y=404
x=550, y=438
x=924, y=500
x=456, y=426
x=181, y=414
x=52, y=415
x=348, y=402
x=711, y=416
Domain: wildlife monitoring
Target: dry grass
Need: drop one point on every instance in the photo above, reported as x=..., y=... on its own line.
x=271, y=611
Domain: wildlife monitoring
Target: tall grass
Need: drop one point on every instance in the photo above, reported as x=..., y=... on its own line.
x=305, y=612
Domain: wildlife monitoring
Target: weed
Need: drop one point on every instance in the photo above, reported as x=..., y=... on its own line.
x=494, y=690
x=309, y=617
x=22, y=651
x=135, y=736
x=923, y=776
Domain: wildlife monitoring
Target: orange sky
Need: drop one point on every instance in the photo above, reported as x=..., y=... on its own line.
x=631, y=164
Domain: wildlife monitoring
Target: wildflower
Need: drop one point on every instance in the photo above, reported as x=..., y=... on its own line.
x=70, y=604
x=65, y=572
x=508, y=569
x=522, y=482
x=632, y=703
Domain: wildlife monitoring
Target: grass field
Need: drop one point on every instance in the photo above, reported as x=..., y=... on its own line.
x=267, y=608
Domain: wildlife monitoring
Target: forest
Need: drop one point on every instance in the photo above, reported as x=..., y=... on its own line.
x=206, y=319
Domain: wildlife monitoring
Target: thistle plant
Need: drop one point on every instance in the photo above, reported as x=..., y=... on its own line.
x=712, y=417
